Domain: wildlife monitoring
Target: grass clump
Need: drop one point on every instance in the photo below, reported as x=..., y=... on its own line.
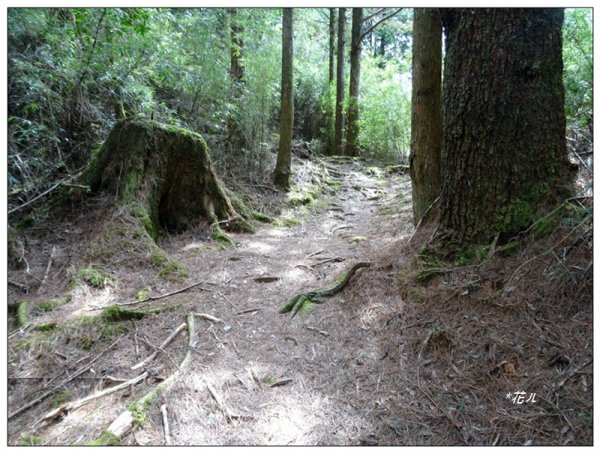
x=165, y=265
x=29, y=440
x=96, y=278
x=106, y=439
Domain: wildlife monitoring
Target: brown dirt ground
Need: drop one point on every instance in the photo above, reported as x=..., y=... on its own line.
x=384, y=362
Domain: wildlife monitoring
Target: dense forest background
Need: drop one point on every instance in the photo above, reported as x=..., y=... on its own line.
x=73, y=72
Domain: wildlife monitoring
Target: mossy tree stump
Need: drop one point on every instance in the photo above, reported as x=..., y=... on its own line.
x=166, y=173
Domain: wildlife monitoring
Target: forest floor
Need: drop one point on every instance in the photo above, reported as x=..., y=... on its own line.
x=382, y=362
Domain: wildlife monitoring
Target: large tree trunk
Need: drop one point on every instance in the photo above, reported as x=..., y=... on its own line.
x=504, y=155
x=281, y=176
x=165, y=174
x=353, y=92
x=332, y=25
x=426, y=124
x=339, y=98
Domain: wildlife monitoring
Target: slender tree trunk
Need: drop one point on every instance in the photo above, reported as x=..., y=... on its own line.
x=339, y=101
x=504, y=155
x=281, y=176
x=236, y=67
x=426, y=124
x=332, y=29
x=235, y=136
x=353, y=92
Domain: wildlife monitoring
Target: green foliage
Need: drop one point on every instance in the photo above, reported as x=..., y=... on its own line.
x=385, y=110
x=29, y=440
x=578, y=66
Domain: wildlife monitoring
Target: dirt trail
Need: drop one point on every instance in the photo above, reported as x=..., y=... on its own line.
x=325, y=377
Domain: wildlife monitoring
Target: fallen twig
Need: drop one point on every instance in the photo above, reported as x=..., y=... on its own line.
x=152, y=356
x=162, y=296
x=226, y=411
x=322, y=332
x=207, y=317
x=64, y=409
x=41, y=287
x=163, y=410
x=41, y=398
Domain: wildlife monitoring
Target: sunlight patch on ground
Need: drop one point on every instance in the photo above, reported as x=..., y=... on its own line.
x=295, y=274
x=277, y=233
x=86, y=299
x=260, y=247
x=194, y=245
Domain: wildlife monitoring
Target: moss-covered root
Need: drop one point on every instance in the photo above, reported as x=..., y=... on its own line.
x=21, y=319
x=137, y=412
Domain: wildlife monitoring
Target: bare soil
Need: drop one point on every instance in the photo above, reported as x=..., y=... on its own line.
x=386, y=361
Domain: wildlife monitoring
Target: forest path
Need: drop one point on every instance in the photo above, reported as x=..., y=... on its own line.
x=329, y=376
x=331, y=354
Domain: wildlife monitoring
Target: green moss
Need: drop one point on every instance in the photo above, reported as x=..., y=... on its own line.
x=106, y=439
x=260, y=217
x=358, y=239
x=286, y=222
x=142, y=294
x=220, y=236
x=29, y=440
x=46, y=327
x=115, y=313
x=48, y=306
x=166, y=265
x=142, y=214
x=21, y=318
x=96, y=278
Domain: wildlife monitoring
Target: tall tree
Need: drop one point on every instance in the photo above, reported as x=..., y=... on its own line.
x=357, y=36
x=281, y=176
x=236, y=66
x=332, y=31
x=235, y=136
x=339, y=92
x=504, y=155
x=426, y=120
x=355, y=51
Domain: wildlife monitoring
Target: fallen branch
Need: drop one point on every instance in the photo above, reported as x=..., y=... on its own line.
x=41, y=398
x=137, y=410
x=152, y=356
x=64, y=409
x=166, y=295
x=298, y=301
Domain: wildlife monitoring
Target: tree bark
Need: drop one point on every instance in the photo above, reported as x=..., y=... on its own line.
x=332, y=29
x=235, y=136
x=281, y=176
x=353, y=92
x=339, y=99
x=426, y=121
x=504, y=155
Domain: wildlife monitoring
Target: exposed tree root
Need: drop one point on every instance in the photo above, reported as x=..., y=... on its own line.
x=297, y=302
